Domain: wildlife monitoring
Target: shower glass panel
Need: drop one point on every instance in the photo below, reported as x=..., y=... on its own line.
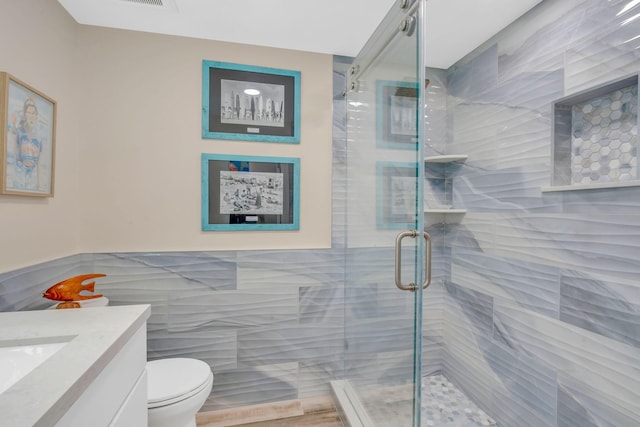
x=385, y=174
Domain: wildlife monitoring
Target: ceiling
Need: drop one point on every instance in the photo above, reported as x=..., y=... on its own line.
x=339, y=27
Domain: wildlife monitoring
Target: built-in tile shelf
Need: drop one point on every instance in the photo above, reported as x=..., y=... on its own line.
x=445, y=213
x=599, y=186
x=595, y=138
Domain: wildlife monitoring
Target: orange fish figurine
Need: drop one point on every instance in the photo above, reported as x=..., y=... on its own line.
x=69, y=289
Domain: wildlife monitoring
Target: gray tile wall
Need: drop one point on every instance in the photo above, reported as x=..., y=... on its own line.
x=542, y=307
x=535, y=309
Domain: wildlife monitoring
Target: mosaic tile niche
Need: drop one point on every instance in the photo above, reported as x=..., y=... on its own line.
x=596, y=134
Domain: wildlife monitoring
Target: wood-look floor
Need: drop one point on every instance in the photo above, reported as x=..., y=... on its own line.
x=312, y=412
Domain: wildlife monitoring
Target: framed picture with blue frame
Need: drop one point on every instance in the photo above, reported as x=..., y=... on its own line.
x=250, y=103
x=397, y=114
x=250, y=193
x=397, y=185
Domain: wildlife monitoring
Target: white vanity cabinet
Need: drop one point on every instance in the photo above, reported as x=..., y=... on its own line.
x=96, y=379
x=118, y=396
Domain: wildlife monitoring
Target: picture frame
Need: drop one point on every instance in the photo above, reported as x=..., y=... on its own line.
x=397, y=114
x=396, y=195
x=250, y=193
x=250, y=103
x=27, y=144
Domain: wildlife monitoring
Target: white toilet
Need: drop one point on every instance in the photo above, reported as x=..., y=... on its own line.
x=176, y=387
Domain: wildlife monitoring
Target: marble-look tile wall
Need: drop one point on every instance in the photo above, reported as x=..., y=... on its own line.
x=270, y=323
x=542, y=306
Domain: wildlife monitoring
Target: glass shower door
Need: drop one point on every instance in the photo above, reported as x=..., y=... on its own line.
x=385, y=248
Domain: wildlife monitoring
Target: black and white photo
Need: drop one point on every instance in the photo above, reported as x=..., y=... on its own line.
x=250, y=103
x=250, y=192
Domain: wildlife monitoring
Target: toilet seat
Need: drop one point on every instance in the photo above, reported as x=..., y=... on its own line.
x=174, y=380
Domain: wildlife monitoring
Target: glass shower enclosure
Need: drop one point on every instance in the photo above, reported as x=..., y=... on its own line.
x=387, y=252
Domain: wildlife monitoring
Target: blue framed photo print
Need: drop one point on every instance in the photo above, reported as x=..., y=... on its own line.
x=397, y=114
x=250, y=193
x=249, y=103
x=396, y=195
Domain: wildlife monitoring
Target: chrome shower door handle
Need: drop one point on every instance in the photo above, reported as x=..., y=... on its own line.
x=411, y=286
x=427, y=261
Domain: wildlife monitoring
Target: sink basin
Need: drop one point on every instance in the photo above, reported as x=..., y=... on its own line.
x=18, y=361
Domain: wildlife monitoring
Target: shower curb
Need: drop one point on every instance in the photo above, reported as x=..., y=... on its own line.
x=349, y=408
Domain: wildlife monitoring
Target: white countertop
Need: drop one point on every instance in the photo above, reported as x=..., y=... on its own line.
x=94, y=335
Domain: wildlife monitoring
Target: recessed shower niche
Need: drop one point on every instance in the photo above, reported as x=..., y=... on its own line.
x=595, y=137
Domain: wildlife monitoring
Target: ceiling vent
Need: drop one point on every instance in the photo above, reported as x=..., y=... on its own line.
x=169, y=5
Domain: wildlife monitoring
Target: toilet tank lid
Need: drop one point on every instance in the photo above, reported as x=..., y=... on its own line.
x=170, y=378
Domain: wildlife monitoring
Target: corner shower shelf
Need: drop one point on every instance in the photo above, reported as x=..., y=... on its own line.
x=443, y=216
x=446, y=211
x=446, y=158
x=446, y=214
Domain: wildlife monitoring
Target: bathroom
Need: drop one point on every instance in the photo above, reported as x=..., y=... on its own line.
x=533, y=308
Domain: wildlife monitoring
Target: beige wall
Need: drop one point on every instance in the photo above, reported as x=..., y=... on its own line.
x=141, y=143
x=129, y=141
x=38, y=47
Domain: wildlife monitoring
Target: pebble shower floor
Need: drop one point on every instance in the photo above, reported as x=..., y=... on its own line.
x=443, y=405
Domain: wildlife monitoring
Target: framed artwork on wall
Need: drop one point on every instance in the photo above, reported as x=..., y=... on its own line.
x=250, y=103
x=396, y=195
x=397, y=114
x=28, y=123
x=250, y=193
